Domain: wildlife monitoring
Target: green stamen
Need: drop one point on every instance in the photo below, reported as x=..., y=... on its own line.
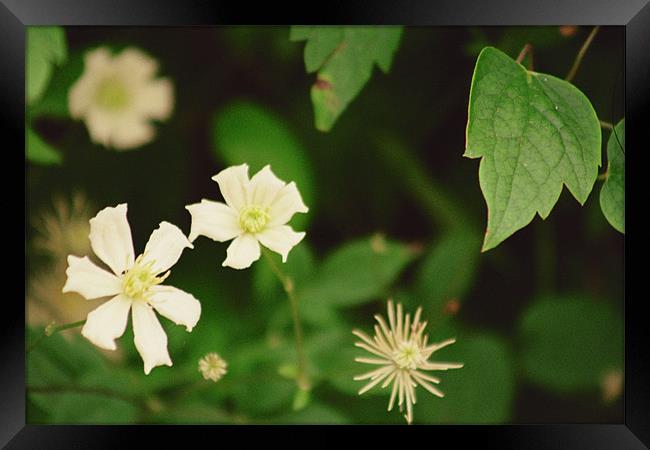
x=253, y=218
x=111, y=94
x=408, y=356
x=137, y=280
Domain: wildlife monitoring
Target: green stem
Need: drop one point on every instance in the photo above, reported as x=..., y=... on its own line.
x=51, y=330
x=287, y=283
x=606, y=125
x=581, y=54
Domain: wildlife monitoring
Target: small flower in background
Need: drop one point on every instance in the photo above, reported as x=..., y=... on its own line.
x=612, y=385
x=135, y=286
x=256, y=212
x=61, y=230
x=118, y=97
x=403, y=355
x=212, y=367
x=65, y=228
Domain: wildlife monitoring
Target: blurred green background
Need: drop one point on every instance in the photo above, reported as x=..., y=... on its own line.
x=395, y=210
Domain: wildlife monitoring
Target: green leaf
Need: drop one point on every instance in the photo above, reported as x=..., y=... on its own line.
x=357, y=272
x=43, y=371
x=72, y=356
x=46, y=46
x=78, y=408
x=447, y=272
x=60, y=370
x=54, y=101
x=245, y=132
x=301, y=399
x=314, y=413
x=482, y=391
x=40, y=152
x=321, y=42
x=612, y=194
x=333, y=353
x=535, y=133
x=193, y=412
x=133, y=382
x=344, y=58
x=571, y=343
x=259, y=388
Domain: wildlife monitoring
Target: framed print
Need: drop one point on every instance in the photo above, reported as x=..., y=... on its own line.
x=411, y=218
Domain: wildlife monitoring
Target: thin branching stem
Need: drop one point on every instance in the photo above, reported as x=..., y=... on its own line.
x=581, y=54
x=527, y=50
x=51, y=330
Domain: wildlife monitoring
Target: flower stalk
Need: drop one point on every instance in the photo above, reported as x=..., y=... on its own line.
x=302, y=379
x=53, y=329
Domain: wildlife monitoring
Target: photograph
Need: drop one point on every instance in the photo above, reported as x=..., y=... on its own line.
x=325, y=225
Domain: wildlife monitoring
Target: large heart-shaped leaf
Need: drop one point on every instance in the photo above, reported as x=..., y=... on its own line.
x=534, y=133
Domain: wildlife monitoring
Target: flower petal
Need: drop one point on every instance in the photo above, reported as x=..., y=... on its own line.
x=177, y=305
x=131, y=131
x=100, y=125
x=215, y=220
x=165, y=246
x=233, y=183
x=82, y=93
x=89, y=280
x=280, y=239
x=110, y=238
x=155, y=99
x=242, y=252
x=286, y=204
x=135, y=64
x=81, y=96
x=264, y=187
x=150, y=338
x=107, y=323
x=98, y=60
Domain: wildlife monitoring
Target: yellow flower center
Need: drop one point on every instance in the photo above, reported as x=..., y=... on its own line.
x=111, y=94
x=253, y=219
x=139, y=278
x=407, y=356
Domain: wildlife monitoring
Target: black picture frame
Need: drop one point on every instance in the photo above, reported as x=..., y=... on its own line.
x=16, y=15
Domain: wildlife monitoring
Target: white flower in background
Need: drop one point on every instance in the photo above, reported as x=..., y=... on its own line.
x=118, y=97
x=256, y=212
x=134, y=284
x=402, y=353
x=212, y=367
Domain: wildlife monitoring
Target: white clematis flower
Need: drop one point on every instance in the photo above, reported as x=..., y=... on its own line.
x=256, y=212
x=134, y=284
x=118, y=96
